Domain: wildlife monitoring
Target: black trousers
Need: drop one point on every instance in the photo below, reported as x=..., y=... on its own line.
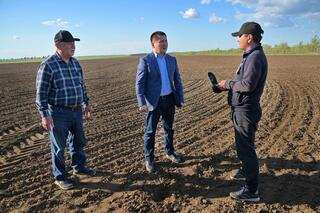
x=166, y=111
x=245, y=125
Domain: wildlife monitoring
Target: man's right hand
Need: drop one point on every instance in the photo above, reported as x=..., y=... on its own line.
x=143, y=109
x=47, y=123
x=223, y=85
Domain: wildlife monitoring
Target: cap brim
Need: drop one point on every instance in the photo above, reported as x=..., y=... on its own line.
x=76, y=39
x=235, y=34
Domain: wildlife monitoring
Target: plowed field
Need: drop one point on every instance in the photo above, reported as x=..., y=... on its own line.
x=288, y=142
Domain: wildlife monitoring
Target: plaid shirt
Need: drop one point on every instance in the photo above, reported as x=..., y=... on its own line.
x=60, y=84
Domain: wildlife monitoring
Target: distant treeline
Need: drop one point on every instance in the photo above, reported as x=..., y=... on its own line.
x=22, y=60
x=312, y=47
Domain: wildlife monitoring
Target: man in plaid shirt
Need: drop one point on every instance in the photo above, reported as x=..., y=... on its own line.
x=62, y=99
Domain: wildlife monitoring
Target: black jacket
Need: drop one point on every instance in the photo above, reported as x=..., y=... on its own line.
x=247, y=86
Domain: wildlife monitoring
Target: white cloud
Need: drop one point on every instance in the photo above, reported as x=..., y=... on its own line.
x=15, y=37
x=278, y=13
x=274, y=20
x=246, y=3
x=58, y=22
x=48, y=23
x=314, y=16
x=191, y=13
x=205, y=1
x=214, y=19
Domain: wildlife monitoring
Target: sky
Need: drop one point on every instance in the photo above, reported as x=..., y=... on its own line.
x=113, y=27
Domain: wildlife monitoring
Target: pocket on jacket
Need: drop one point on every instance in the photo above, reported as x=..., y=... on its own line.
x=236, y=99
x=239, y=99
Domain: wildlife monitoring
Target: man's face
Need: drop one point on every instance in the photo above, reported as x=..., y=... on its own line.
x=160, y=44
x=244, y=41
x=67, y=48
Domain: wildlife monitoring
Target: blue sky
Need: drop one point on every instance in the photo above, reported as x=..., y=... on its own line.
x=124, y=26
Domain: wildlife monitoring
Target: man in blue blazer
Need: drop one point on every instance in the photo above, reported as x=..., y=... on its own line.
x=159, y=89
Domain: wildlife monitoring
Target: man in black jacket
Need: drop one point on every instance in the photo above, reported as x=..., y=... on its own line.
x=244, y=93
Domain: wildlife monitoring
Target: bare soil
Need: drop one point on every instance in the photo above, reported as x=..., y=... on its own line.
x=287, y=141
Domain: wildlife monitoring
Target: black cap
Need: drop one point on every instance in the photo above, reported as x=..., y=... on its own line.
x=64, y=36
x=249, y=28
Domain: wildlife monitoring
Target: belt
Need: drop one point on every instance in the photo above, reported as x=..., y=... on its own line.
x=166, y=96
x=73, y=108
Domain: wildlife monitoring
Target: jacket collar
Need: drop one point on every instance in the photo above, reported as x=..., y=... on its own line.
x=254, y=47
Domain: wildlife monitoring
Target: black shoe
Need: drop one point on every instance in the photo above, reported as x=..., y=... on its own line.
x=237, y=175
x=245, y=195
x=175, y=158
x=84, y=171
x=64, y=184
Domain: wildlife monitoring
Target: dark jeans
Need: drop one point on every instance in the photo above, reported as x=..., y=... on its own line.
x=165, y=110
x=67, y=130
x=245, y=125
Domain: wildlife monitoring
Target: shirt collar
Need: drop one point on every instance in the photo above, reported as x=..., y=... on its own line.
x=159, y=55
x=59, y=58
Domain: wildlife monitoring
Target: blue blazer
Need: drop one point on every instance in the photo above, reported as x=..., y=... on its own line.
x=148, y=81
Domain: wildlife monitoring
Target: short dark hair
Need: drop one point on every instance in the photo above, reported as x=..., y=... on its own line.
x=157, y=33
x=256, y=38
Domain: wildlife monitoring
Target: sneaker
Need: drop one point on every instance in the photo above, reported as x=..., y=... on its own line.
x=237, y=175
x=174, y=158
x=84, y=171
x=245, y=195
x=151, y=168
x=64, y=184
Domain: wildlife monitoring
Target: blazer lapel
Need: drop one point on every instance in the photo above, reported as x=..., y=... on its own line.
x=169, y=70
x=155, y=63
